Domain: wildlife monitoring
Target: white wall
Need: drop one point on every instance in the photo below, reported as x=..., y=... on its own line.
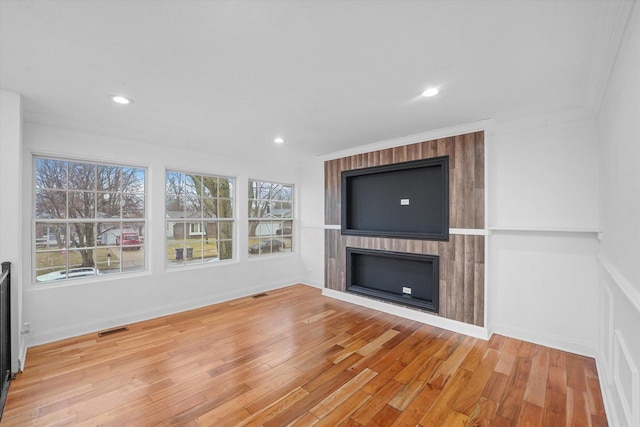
x=619, y=134
x=312, y=222
x=58, y=311
x=544, y=176
x=543, y=185
x=10, y=212
x=544, y=288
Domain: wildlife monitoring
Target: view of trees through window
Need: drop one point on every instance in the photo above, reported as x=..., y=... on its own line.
x=89, y=219
x=270, y=217
x=199, y=218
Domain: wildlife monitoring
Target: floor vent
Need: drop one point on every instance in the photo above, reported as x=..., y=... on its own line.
x=259, y=296
x=112, y=331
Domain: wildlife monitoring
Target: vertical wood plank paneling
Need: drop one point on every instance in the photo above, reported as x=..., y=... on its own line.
x=444, y=148
x=458, y=204
x=329, y=175
x=400, y=154
x=478, y=250
x=469, y=279
x=386, y=156
x=443, y=292
x=429, y=149
x=414, y=151
x=478, y=179
x=461, y=259
x=362, y=161
x=415, y=246
x=332, y=191
x=477, y=198
x=478, y=293
x=373, y=158
x=468, y=163
x=458, y=148
x=329, y=260
x=456, y=301
x=334, y=262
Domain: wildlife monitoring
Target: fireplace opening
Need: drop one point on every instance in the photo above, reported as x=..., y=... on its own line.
x=403, y=278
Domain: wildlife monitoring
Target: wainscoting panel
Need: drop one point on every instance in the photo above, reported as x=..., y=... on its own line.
x=619, y=350
x=606, y=333
x=626, y=380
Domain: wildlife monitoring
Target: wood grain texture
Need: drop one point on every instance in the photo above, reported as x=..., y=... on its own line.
x=466, y=175
x=461, y=259
x=298, y=358
x=461, y=269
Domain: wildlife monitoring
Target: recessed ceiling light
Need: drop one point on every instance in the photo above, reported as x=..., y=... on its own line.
x=119, y=99
x=432, y=91
x=278, y=140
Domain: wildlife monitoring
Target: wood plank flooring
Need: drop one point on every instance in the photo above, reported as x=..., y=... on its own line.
x=297, y=358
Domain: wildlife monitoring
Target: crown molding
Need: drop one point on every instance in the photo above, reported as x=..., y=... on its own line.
x=480, y=125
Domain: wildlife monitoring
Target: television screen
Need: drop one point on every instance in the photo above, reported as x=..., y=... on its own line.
x=405, y=200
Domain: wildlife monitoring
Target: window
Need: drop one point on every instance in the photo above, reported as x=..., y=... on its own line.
x=199, y=219
x=89, y=219
x=270, y=217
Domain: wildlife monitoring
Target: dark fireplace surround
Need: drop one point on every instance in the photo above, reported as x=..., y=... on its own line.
x=405, y=200
x=405, y=278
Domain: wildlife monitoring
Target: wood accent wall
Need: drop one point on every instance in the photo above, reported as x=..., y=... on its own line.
x=461, y=258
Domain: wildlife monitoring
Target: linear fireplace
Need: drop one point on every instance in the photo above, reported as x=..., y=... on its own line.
x=404, y=278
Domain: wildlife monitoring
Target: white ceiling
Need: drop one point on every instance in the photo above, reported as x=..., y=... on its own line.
x=228, y=77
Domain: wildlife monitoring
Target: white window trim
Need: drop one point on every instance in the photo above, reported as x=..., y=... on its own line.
x=189, y=222
x=34, y=284
x=292, y=248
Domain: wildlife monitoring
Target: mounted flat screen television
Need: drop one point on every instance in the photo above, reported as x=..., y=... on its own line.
x=407, y=200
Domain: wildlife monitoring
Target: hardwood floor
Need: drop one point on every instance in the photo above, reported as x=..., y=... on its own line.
x=294, y=357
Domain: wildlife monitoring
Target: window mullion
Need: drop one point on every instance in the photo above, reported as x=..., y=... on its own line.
x=96, y=249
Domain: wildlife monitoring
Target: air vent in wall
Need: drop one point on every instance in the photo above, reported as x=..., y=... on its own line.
x=112, y=331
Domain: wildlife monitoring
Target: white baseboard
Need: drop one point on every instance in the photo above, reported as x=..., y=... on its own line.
x=312, y=283
x=22, y=354
x=609, y=406
x=111, y=322
x=548, y=340
x=407, y=313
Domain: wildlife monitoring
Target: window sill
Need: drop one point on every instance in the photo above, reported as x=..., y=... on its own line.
x=253, y=258
x=39, y=286
x=188, y=267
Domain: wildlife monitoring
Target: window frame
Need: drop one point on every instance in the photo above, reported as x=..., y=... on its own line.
x=188, y=224
x=141, y=223
x=291, y=249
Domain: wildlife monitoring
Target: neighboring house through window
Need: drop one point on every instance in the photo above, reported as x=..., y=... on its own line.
x=199, y=218
x=90, y=219
x=270, y=217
